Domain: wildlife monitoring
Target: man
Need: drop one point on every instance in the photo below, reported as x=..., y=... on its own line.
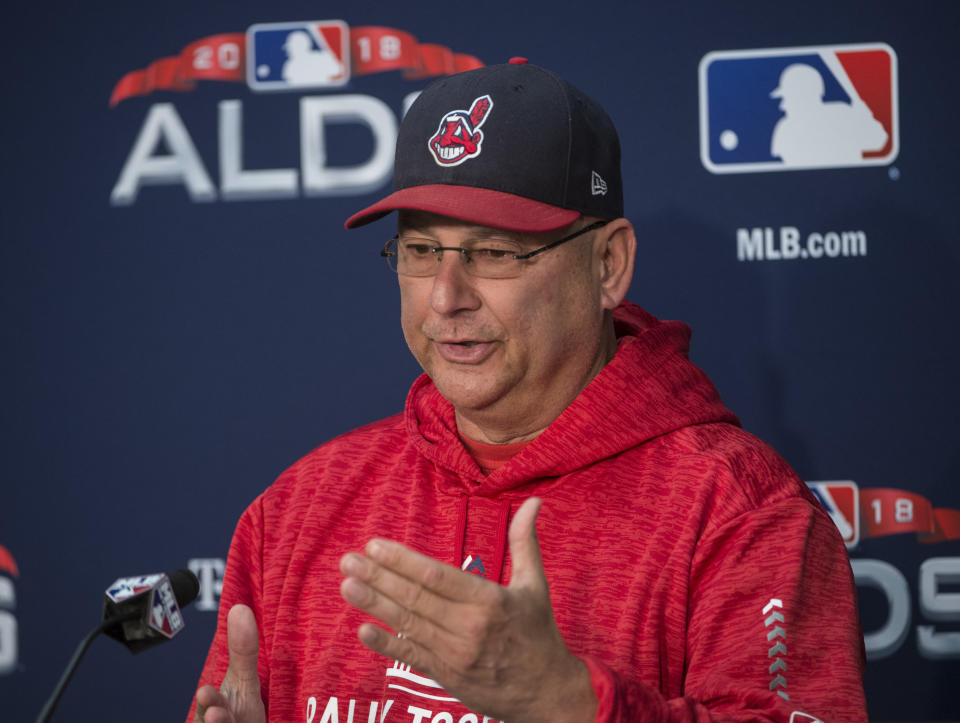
x=678, y=569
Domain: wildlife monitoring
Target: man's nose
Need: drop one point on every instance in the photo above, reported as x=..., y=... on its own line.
x=453, y=288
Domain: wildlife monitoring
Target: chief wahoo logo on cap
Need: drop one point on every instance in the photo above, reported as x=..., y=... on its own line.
x=459, y=136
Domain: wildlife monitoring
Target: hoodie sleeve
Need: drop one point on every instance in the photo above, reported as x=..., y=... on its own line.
x=242, y=583
x=773, y=631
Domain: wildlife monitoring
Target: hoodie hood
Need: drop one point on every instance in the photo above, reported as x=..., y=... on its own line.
x=648, y=389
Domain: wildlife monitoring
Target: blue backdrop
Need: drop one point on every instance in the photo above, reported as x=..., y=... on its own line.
x=178, y=331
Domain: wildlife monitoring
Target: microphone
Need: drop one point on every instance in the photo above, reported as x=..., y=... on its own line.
x=145, y=611
x=140, y=612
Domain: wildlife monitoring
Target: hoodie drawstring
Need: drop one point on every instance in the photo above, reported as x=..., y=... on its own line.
x=493, y=567
x=503, y=526
x=460, y=539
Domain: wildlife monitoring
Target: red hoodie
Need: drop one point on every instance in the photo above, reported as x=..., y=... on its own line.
x=688, y=565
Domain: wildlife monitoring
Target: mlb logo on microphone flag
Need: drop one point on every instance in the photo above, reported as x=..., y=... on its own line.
x=127, y=587
x=165, y=616
x=285, y=56
x=815, y=107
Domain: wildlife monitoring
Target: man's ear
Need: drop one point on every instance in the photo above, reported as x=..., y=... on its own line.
x=616, y=246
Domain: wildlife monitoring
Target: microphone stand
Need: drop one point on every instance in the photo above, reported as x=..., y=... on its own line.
x=75, y=661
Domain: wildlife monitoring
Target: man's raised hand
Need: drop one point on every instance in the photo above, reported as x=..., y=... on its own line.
x=496, y=649
x=238, y=700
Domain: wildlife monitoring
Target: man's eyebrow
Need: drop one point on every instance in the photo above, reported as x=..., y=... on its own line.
x=408, y=227
x=410, y=223
x=474, y=233
x=484, y=232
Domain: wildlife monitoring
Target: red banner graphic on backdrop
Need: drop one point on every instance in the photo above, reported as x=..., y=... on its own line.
x=222, y=57
x=880, y=511
x=7, y=563
x=888, y=511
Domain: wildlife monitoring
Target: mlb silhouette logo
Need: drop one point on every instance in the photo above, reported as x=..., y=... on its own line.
x=824, y=106
x=841, y=500
x=290, y=56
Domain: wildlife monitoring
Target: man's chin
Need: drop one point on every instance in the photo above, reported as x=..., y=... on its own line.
x=467, y=397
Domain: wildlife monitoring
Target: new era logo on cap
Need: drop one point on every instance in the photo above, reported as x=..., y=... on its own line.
x=598, y=187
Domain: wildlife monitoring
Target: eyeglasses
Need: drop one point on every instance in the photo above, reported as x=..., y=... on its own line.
x=486, y=258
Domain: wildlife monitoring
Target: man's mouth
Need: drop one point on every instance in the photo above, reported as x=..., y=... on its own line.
x=457, y=342
x=467, y=351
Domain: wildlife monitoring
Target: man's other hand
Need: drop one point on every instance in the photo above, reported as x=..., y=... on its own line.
x=496, y=649
x=238, y=700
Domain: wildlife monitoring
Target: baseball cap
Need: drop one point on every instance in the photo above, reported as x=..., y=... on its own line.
x=510, y=146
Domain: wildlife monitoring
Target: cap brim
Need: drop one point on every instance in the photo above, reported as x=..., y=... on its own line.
x=476, y=205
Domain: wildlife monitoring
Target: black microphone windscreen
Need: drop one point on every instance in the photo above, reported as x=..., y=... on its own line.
x=185, y=585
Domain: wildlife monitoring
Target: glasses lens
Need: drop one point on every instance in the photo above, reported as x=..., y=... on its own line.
x=494, y=259
x=416, y=257
x=486, y=258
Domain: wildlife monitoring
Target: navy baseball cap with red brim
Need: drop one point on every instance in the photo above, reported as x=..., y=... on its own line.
x=509, y=146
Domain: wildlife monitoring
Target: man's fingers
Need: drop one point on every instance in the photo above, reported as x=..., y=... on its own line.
x=436, y=627
x=395, y=647
x=218, y=715
x=395, y=593
x=524, y=548
x=239, y=696
x=213, y=707
x=207, y=697
x=444, y=580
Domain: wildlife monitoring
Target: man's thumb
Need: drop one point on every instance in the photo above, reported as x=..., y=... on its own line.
x=243, y=645
x=524, y=548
